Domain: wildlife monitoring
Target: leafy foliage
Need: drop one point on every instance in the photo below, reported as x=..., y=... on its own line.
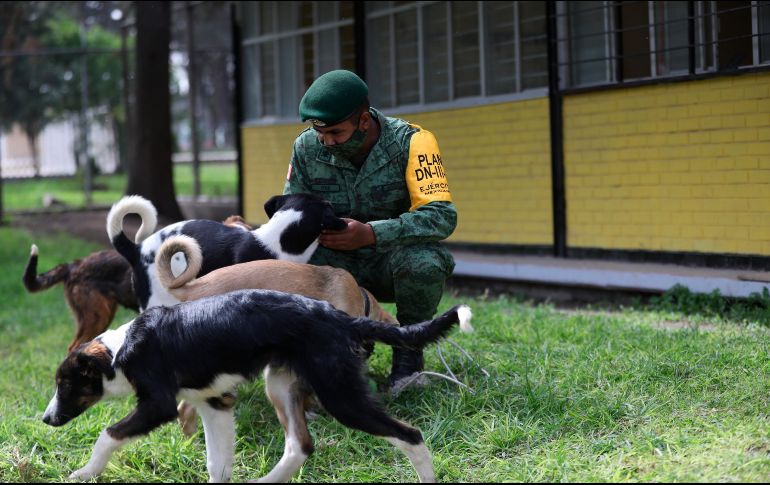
x=41, y=82
x=715, y=306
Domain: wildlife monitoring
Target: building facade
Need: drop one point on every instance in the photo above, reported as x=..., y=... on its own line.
x=632, y=130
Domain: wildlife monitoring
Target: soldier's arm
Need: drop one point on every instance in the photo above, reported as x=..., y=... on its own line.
x=432, y=215
x=431, y=222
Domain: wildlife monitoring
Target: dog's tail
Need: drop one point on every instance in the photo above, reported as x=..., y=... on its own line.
x=34, y=282
x=131, y=204
x=418, y=335
x=192, y=253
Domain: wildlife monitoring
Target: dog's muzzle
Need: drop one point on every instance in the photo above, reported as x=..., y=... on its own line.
x=53, y=415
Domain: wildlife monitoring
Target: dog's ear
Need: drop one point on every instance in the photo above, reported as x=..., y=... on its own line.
x=332, y=222
x=273, y=204
x=94, y=358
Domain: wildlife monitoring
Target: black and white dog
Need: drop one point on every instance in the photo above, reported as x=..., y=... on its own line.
x=200, y=350
x=291, y=234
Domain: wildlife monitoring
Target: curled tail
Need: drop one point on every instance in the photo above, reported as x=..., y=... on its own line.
x=192, y=253
x=131, y=204
x=34, y=282
x=418, y=335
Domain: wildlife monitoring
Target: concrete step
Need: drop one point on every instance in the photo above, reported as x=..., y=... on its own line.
x=607, y=275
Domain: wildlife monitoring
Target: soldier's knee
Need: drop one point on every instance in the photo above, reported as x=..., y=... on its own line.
x=424, y=261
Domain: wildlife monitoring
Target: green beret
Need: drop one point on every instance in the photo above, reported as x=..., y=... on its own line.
x=333, y=98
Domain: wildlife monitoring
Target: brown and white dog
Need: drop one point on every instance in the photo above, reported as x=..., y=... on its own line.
x=326, y=283
x=95, y=286
x=201, y=350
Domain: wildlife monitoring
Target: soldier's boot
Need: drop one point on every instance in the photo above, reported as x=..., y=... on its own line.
x=407, y=364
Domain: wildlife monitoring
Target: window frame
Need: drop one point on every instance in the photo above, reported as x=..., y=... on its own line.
x=703, y=44
x=702, y=68
x=483, y=98
x=256, y=41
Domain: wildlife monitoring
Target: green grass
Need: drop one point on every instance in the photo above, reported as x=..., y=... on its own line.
x=217, y=180
x=633, y=395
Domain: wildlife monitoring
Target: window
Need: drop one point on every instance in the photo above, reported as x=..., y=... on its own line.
x=763, y=25
x=705, y=33
x=533, y=44
x=671, y=43
x=417, y=53
x=465, y=49
x=734, y=41
x=431, y=52
x=436, y=55
x=286, y=46
x=461, y=52
x=634, y=25
x=589, y=47
x=606, y=42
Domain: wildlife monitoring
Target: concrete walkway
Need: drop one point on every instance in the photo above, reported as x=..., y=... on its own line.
x=607, y=275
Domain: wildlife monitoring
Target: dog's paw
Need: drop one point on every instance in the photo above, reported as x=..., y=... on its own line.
x=188, y=418
x=84, y=474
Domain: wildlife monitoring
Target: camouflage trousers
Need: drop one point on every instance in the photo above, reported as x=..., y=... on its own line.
x=412, y=276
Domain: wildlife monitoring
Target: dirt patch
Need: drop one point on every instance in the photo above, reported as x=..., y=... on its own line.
x=87, y=224
x=91, y=224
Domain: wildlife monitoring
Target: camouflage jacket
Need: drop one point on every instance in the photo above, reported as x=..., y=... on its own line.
x=401, y=189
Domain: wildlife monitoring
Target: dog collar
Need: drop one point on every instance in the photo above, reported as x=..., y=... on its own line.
x=367, y=303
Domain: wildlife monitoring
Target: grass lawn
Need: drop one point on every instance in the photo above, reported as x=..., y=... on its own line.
x=217, y=180
x=581, y=396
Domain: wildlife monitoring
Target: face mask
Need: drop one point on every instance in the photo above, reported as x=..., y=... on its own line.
x=348, y=150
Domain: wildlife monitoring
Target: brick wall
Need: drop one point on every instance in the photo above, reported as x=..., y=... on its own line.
x=673, y=167
x=498, y=163
x=266, y=155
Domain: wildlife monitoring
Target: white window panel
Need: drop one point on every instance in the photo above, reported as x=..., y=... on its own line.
x=705, y=33
x=533, y=45
x=589, y=43
x=436, y=53
x=671, y=32
x=267, y=74
x=465, y=49
x=407, y=53
x=763, y=28
x=251, y=79
x=379, y=62
x=500, y=39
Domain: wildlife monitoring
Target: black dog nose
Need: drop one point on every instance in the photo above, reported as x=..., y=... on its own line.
x=47, y=419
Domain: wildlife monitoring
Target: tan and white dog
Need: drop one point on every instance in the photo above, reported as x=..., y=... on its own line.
x=325, y=283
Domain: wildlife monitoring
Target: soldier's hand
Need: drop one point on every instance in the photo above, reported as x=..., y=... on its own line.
x=356, y=235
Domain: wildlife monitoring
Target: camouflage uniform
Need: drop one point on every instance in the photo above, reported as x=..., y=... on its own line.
x=401, y=191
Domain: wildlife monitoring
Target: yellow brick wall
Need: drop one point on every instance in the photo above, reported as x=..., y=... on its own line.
x=266, y=154
x=497, y=160
x=673, y=167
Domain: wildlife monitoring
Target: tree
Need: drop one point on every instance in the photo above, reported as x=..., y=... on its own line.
x=150, y=174
x=26, y=93
x=40, y=84
x=103, y=71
